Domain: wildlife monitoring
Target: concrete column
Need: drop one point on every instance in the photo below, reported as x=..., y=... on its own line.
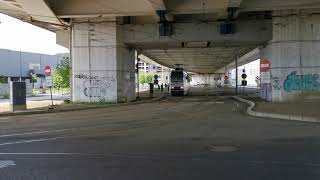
x=103, y=68
x=294, y=53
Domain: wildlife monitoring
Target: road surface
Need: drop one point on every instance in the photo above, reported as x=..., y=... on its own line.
x=185, y=138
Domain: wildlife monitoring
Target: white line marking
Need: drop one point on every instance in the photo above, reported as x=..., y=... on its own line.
x=36, y=132
x=285, y=163
x=4, y=164
x=218, y=102
x=31, y=141
x=4, y=120
x=86, y=154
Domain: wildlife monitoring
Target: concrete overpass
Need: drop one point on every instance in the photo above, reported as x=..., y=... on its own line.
x=202, y=36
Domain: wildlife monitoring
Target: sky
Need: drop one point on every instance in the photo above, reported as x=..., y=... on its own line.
x=20, y=36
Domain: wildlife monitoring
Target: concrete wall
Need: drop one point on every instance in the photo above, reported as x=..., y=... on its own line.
x=5, y=89
x=125, y=69
x=294, y=56
x=103, y=68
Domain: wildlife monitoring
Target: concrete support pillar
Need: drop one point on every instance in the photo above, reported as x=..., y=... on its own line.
x=103, y=68
x=294, y=56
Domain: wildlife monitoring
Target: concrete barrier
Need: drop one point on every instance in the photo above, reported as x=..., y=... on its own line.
x=251, y=112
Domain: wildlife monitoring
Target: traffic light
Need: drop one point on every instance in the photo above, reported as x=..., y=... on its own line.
x=244, y=77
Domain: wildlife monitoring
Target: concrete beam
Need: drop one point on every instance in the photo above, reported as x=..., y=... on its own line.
x=39, y=11
x=156, y=5
x=63, y=38
x=150, y=61
x=271, y=5
x=248, y=33
x=102, y=8
x=245, y=59
x=234, y=3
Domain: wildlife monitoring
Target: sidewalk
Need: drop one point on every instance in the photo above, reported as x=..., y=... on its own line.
x=308, y=108
x=42, y=106
x=35, y=104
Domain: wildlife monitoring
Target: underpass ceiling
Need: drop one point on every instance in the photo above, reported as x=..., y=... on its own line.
x=209, y=10
x=14, y=9
x=198, y=60
x=219, y=53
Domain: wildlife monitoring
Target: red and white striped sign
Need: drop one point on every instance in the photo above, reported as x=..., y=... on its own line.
x=264, y=65
x=47, y=70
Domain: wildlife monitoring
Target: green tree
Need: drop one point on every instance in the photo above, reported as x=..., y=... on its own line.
x=149, y=78
x=57, y=80
x=142, y=78
x=61, y=76
x=3, y=79
x=145, y=78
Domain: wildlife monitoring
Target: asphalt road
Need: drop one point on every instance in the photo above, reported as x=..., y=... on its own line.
x=177, y=138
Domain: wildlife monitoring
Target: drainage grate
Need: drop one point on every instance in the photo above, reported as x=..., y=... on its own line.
x=215, y=148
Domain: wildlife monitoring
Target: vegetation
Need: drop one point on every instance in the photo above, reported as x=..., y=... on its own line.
x=145, y=78
x=61, y=76
x=3, y=79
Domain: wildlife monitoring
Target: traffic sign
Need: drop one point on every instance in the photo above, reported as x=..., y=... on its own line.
x=47, y=70
x=265, y=65
x=265, y=77
x=49, y=81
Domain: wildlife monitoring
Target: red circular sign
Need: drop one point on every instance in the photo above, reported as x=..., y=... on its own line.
x=264, y=65
x=47, y=71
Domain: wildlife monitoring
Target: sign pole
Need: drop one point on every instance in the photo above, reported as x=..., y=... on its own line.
x=48, y=78
x=265, y=66
x=51, y=96
x=243, y=90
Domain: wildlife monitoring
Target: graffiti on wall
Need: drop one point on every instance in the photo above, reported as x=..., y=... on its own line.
x=95, y=86
x=276, y=83
x=295, y=82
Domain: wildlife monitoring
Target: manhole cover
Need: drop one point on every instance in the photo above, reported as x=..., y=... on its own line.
x=215, y=148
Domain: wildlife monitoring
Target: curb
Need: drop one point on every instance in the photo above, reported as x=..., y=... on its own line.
x=32, y=112
x=274, y=115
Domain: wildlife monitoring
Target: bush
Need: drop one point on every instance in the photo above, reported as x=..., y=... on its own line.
x=61, y=76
